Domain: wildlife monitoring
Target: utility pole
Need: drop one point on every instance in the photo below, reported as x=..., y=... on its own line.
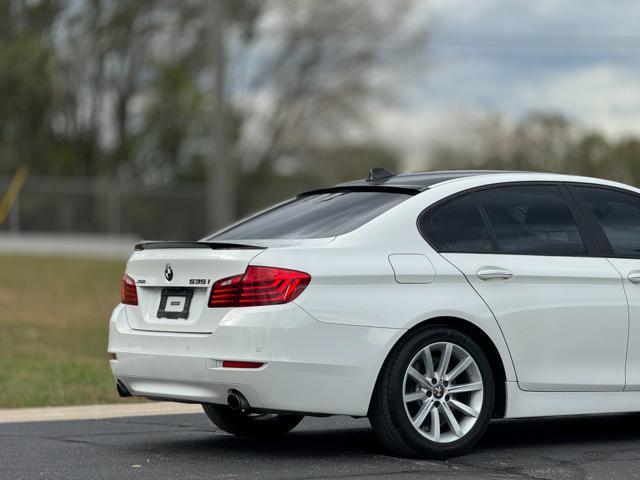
x=220, y=173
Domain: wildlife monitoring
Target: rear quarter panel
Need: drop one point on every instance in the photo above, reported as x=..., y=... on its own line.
x=353, y=283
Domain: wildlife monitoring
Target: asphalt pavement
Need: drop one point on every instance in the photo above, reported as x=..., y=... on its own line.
x=188, y=446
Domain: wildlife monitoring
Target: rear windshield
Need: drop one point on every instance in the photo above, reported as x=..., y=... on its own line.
x=315, y=216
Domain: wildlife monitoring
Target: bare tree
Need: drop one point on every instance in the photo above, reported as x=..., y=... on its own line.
x=135, y=85
x=321, y=64
x=308, y=76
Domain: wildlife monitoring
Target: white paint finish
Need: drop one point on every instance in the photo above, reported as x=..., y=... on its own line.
x=564, y=320
x=147, y=269
x=412, y=268
x=356, y=286
x=524, y=404
x=556, y=313
x=629, y=268
x=310, y=366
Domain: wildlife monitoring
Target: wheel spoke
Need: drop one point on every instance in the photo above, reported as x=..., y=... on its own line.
x=418, y=377
x=412, y=397
x=435, y=424
x=443, y=365
x=466, y=409
x=446, y=391
x=428, y=362
x=451, y=420
x=461, y=367
x=465, y=387
x=418, y=420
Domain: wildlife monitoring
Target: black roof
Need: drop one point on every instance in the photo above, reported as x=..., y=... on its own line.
x=419, y=180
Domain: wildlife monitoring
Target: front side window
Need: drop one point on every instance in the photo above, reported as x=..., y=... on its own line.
x=456, y=226
x=318, y=215
x=618, y=214
x=531, y=219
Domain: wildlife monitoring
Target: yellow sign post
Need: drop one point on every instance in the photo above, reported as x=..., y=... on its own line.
x=12, y=192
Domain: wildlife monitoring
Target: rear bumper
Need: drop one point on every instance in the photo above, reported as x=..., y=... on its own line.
x=309, y=366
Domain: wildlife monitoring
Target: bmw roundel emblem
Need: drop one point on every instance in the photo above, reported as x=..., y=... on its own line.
x=168, y=273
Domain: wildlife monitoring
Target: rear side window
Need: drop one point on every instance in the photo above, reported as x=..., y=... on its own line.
x=618, y=214
x=531, y=219
x=315, y=216
x=456, y=226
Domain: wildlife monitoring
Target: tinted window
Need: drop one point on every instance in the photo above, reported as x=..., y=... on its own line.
x=456, y=226
x=531, y=220
x=619, y=216
x=315, y=216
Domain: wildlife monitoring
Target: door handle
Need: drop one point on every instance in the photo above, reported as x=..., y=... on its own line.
x=634, y=277
x=497, y=274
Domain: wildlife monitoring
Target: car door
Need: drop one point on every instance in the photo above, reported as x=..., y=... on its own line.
x=561, y=307
x=615, y=215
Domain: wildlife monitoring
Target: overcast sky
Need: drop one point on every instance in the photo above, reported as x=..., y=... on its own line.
x=580, y=58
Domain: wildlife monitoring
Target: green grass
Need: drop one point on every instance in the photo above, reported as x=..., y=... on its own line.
x=54, y=315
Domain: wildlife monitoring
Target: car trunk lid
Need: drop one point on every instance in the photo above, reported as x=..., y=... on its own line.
x=173, y=281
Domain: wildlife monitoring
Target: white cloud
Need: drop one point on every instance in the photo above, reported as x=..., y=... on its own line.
x=597, y=17
x=512, y=57
x=600, y=96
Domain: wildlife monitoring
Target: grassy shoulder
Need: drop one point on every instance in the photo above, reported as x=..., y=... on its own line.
x=54, y=315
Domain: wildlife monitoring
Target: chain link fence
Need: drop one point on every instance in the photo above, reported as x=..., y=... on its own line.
x=87, y=205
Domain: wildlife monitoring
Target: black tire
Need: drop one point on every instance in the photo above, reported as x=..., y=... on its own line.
x=387, y=413
x=250, y=425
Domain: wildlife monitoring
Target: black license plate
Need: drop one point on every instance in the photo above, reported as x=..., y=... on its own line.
x=175, y=302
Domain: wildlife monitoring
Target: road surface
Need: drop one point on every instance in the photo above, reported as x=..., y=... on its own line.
x=187, y=446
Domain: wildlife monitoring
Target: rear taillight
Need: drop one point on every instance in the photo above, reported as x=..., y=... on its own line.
x=129, y=294
x=234, y=364
x=258, y=286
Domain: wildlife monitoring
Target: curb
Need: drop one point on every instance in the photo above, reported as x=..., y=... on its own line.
x=95, y=412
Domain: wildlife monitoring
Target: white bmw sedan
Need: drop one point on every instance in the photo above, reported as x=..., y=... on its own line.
x=429, y=302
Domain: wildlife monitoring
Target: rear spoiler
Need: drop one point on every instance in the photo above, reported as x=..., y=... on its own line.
x=211, y=245
x=406, y=189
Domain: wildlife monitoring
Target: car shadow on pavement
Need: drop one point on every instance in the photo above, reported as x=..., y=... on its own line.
x=552, y=432
x=547, y=433
x=299, y=445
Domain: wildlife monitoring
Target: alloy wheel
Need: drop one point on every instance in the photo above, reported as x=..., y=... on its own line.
x=443, y=392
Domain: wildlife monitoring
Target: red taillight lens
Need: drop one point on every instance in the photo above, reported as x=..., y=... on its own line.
x=234, y=364
x=271, y=286
x=129, y=293
x=259, y=286
x=226, y=292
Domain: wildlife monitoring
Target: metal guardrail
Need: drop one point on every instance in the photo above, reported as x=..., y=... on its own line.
x=88, y=205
